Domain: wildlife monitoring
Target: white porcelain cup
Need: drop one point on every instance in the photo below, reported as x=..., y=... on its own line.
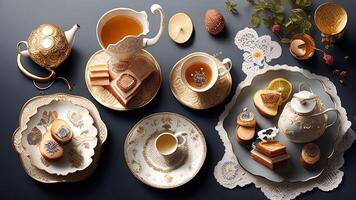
x=168, y=143
x=209, y=61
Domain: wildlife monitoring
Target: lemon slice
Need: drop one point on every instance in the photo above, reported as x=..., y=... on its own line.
x=283, y=86
x=180, y=28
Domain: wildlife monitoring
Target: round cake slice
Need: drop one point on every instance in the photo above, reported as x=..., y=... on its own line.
x=50, y=148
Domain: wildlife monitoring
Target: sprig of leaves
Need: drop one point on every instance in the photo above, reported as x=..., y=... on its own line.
x=231, y=7
x=273, y=12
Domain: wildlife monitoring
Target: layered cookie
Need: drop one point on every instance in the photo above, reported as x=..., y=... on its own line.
x=271, y=154
x=245, y=129
x=99, y=75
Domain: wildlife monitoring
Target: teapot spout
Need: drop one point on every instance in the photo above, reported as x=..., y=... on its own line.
x=70, y=34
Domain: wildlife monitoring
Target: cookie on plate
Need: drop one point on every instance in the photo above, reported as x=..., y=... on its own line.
x=50, y=149
x=61, y=131
x=310, y=155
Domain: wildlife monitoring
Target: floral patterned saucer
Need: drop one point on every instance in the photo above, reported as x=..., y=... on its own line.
x=78, y=153
x=199, y=101
x=149, y=166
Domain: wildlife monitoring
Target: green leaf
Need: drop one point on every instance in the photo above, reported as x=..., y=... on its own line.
x=303, y=3
x=255, y=20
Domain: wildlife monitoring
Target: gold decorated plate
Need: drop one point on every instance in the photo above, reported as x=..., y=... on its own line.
x=147, y=165
x=199, y=101
x=29, y=110
x=147, y=91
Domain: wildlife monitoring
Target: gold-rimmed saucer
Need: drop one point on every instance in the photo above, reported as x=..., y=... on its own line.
x=29, y=109
x=199, y=101
x=147, y=165
x=147, y=91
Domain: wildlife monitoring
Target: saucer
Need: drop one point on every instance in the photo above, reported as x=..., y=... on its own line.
x=199, y=101
x=28, y=113
x=145, y=95
x=153, y=169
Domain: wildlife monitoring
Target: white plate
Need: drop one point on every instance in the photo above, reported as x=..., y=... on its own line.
x=149, y=166
x=78, y=153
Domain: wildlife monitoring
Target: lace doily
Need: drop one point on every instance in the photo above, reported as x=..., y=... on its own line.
x=228, y=171
x=258, y=51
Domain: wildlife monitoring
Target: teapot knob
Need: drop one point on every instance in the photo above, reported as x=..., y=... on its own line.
x=304, y=102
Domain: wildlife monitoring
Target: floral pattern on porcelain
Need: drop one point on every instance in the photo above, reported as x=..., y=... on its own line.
x=78, y=153
x=153, y=169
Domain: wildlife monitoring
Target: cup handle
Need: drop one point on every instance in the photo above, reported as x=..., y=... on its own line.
x=181, y=136
x=20, y=52
x=227, y=64
x=147, y=42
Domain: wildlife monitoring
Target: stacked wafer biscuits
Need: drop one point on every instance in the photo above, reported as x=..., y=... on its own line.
x=271, y=154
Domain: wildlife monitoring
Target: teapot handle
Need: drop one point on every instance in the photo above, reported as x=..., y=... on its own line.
x=50, y=77
x=329, y=110
x=147, y=42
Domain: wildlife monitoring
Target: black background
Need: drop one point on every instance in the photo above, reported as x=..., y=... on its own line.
x=113, y=179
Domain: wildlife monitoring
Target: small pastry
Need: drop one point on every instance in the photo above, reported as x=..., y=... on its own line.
x=99, y=75
x=116, y=67
x=271, y=148
x=246, y=118
x=126, y=82
x=49, y=148
x=245, y=135
x=124, y=87
x=267, y=102
x=270, y=162
x=142, y=67
x=61, y=131
x=310, y=155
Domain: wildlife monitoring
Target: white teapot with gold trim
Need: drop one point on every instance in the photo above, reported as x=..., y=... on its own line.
x=304, y=118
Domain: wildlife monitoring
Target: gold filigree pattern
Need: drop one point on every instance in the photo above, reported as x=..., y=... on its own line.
x=208, y=99
x=58, y=52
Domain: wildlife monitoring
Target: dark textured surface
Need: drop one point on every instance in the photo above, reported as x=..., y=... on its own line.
x=112, y=178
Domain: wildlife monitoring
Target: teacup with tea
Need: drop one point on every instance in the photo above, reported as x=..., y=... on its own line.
x=200, y=73
x=167, y=143
x=121, y=31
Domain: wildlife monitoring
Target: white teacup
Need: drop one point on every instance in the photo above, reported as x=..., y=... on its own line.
x=168, y=143
x=216, y=72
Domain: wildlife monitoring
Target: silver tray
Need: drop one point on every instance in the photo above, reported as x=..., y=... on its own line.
x=293, y=171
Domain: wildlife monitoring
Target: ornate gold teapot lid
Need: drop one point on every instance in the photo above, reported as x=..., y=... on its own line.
x=303, y=102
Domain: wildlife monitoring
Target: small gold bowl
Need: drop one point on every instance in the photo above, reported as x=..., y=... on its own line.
x=330, y=18
x=309, y=44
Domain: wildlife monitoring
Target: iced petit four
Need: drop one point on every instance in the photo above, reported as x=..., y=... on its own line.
x=99, y=75
x=267, y=102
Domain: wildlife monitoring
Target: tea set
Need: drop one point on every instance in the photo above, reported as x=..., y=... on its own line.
x=163, y=150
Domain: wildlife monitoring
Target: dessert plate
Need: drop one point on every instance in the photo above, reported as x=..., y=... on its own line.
x=30, y=111
x=199, y=101
x=147, y=91
x=149, y=166
x=293, y=171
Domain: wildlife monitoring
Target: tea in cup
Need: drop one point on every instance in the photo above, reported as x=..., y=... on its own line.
x=168, y=143
x=200, y=73
x=121, y=31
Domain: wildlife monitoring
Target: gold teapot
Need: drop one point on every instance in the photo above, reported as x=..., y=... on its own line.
x=48, y=46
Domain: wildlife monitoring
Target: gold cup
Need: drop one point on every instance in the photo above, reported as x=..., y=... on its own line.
x=331, y=19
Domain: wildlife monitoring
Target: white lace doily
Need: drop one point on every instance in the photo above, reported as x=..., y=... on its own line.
x=228, y=171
